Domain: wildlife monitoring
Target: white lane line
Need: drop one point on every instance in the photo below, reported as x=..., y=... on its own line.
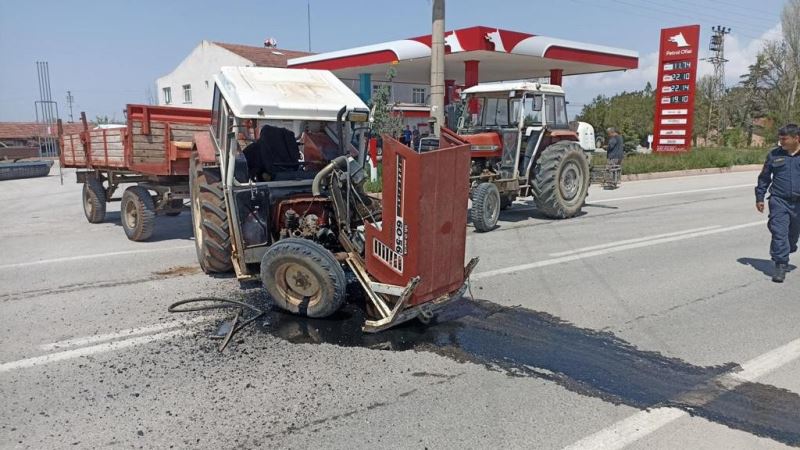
x=85, y=351
x=631, y=241
x=78, y=342
x=643, y=423
x=96, y=255
x=601, y=201
x=589, y=254
x=662, y=194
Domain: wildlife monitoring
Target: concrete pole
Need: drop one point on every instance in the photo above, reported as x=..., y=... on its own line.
x=437, y=65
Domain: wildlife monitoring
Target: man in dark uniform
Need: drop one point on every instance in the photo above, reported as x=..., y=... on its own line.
x=781, y=175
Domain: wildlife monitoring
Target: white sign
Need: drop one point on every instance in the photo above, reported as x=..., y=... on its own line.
x=672, y=141
x=674, y=112
x=673, y=121
x=673, y=132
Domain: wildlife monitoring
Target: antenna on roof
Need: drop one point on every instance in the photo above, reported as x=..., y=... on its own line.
x=270, y=43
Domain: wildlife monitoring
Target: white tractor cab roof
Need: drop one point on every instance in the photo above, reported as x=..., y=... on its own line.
x=508, y=86
x=285, y=94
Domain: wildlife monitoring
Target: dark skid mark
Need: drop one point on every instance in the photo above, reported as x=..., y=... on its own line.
x=526, y=343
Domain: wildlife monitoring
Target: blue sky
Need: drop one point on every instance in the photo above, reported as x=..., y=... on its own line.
x=109, y=53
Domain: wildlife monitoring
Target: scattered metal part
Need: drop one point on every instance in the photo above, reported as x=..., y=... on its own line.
x=222, y=303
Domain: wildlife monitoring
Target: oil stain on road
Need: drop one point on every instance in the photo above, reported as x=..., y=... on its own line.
x=526, y=343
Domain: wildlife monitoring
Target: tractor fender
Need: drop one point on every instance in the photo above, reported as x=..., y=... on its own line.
x=206, y=149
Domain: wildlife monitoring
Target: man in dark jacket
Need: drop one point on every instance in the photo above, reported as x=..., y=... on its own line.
x=615, y=152
x=781, y=177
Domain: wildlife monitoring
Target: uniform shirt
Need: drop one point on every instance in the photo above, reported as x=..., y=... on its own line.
x=781, y=174
x=616, y=148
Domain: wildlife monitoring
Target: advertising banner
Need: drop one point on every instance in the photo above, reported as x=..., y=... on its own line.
x=675, y=89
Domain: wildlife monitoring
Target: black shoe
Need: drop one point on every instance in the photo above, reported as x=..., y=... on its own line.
x=780, y=273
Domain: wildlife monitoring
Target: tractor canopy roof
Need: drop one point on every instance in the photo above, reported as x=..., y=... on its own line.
x=285, y=94
x=519, y=86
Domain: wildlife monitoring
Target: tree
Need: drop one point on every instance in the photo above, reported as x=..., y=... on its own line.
x=384, y=119
x=631, y=113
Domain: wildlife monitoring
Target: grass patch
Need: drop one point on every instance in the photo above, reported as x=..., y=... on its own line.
x=377, y=185
x=698, y=158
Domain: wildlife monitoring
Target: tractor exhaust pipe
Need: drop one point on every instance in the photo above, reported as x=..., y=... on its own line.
x=340, y=162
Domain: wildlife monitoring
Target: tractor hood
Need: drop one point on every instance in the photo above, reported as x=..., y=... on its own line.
x=285, y=94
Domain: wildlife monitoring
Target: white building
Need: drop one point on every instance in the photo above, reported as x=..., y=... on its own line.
x=191, y=84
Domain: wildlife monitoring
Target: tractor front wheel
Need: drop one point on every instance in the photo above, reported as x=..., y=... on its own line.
x=486, y=206
x=303, y=277
x=561, y=180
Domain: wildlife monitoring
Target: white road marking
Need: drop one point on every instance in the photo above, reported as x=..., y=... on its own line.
x=619, y=248
x=663, y=194
x=631, y=241
x=78, y=342
x=643, y=423
x=601, y=201
x=97, y=255
x=85, y=351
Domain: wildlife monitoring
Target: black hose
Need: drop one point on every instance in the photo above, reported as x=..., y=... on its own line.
x=222, y=304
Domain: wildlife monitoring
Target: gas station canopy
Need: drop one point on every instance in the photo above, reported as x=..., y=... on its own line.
x=474, y=54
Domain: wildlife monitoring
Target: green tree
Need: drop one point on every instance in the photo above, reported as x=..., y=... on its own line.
x=385, y=121
x=631, y=113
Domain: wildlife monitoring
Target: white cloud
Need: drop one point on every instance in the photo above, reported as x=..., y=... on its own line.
x=581, y=89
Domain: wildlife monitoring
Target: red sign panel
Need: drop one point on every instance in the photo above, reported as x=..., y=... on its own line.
x=677, y=73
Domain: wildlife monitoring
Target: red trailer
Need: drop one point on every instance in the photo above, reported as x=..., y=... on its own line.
x=151, y=153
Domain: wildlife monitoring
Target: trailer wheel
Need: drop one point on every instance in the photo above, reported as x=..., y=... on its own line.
x=561, y=180
x=137, y=213
x=212, y=238
x=485, y=207
x=94, y=200
x=303, y=277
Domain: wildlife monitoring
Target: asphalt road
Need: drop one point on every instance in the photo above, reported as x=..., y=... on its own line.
x=650, y=321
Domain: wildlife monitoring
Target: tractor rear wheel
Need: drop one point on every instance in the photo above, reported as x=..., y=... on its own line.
x=561, y=180
x=137, y=213
x=486, y=205
x=212, y=239
x=303, y=277
x=94, y=200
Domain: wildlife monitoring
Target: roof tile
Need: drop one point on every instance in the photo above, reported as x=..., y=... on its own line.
x=261, y=56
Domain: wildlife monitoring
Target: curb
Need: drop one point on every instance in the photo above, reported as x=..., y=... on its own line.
x=692, y=172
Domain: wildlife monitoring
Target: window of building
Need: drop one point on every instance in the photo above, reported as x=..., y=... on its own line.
x=388, y=87
x=418, y=95
x=187, y=93
x=167, y=95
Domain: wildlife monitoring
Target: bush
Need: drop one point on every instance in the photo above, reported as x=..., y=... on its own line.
x=698, y=158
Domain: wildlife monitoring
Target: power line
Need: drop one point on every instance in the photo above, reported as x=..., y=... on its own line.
x=750, y=15
x=665, y=11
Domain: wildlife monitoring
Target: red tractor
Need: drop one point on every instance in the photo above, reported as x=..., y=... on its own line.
x=521, y=145
x=277, y=195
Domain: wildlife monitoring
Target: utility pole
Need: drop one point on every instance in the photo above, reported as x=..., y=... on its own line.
x=308, y=15
x=437, y=65
x=717, y=58
x=70, y=101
